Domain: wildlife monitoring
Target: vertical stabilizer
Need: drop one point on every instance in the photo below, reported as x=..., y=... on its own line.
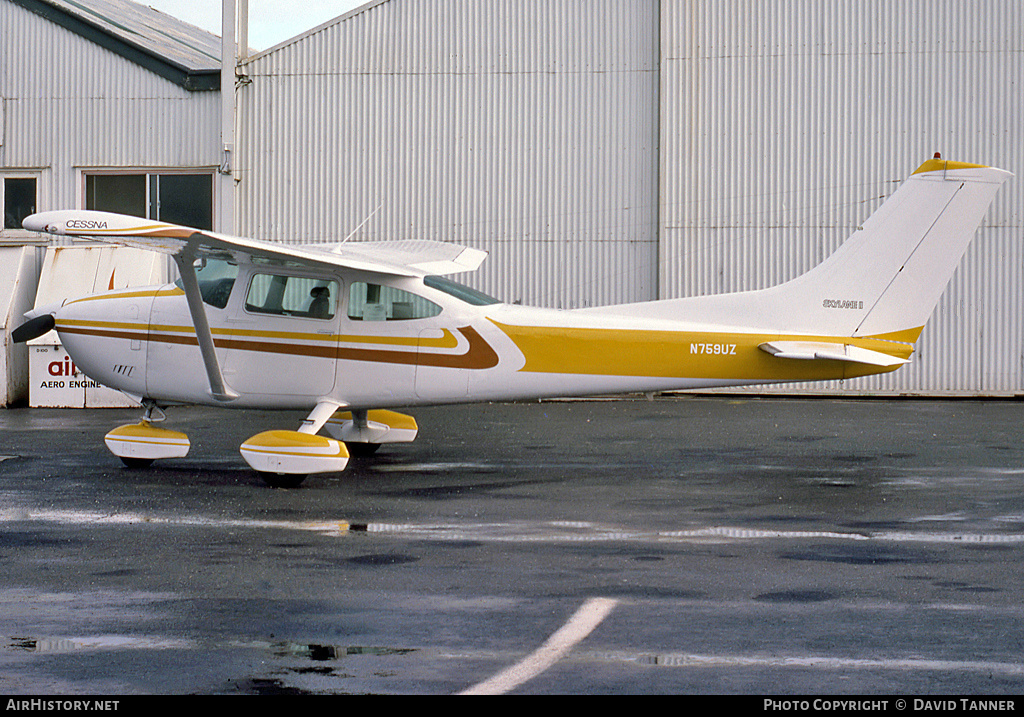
x=889, y=275
x=884, y=280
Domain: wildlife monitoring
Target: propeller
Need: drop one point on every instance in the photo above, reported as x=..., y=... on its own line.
x=33, y=328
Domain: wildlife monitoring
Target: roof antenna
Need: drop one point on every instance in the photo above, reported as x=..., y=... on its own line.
x=362, y=223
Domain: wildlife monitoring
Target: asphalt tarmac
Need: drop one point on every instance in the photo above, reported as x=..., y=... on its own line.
x=680, y=545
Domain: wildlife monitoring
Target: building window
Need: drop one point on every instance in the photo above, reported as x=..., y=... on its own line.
x=177, y=198
x=119, y=193
x=19, y=200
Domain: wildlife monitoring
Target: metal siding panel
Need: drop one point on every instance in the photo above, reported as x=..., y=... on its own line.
x=71, y=104
x=783, y=126
x=525, y=129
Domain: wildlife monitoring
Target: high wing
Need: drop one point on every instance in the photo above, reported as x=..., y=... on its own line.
x=400, y=258
x=185, y=245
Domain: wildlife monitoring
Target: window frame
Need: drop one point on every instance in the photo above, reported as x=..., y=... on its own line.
x=150, y=174
x=21, y=236
x=361, y=319
x=272, y=270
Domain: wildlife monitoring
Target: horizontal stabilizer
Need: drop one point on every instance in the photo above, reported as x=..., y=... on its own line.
x=815, y=350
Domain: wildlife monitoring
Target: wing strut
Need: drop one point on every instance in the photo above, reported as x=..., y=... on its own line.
x=325, y=408
x=185, y=260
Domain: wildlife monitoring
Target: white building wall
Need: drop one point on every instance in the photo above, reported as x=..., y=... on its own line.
x=70, y=105
x=527, y=129
x=784, y=124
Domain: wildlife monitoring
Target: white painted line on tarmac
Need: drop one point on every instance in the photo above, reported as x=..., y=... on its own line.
x=581, y=624
x=102, y=519
x=523, y=532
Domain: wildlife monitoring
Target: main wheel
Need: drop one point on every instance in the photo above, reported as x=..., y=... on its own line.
x=282, y=480
x=136, y=462
x=362, y=449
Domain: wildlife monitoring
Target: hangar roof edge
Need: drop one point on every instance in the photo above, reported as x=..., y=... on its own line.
x=319, y=28
x=174, y=50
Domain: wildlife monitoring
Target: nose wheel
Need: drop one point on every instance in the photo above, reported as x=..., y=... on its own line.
x=139, y=444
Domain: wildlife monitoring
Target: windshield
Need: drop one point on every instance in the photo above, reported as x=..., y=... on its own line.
x=459, y=291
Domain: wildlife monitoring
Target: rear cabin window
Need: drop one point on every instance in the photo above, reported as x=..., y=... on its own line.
x=374, y=302
x=297, y=296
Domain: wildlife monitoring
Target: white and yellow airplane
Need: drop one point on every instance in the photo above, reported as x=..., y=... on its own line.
x=348, y=331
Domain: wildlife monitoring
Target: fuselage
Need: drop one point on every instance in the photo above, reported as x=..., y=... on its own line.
x=288, y=337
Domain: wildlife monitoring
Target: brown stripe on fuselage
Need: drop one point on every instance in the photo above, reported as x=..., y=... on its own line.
x=479, y=355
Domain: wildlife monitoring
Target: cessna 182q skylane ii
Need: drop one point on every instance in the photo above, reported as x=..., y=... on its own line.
x=346, y=331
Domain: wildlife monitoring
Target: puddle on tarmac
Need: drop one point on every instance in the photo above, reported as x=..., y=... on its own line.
x=324, y=653
x=61, y=645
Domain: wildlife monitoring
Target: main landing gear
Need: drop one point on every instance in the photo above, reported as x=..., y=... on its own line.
x=282, y=458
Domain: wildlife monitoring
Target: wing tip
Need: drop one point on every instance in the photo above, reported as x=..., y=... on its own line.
x=87, y=223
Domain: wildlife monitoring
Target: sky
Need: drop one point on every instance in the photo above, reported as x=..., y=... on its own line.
x=270, y=21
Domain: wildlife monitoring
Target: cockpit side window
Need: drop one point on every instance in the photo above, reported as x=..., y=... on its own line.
x=374, y=302
x=216, y=279
x=296, y=296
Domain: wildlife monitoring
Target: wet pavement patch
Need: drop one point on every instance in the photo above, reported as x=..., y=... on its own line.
x=382, y=560
x=26, y=539
x=854, y=459
x=269, y=686
x=653, y=592
x=862, y=555
x=966, y=587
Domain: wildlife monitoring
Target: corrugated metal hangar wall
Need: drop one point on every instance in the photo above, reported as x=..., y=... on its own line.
x=623, y=150
x=785, y=124
x=101, y=112
x=527, y=129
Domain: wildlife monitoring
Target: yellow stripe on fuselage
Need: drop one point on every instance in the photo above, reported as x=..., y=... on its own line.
x=686, y=354
x=130, y=294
